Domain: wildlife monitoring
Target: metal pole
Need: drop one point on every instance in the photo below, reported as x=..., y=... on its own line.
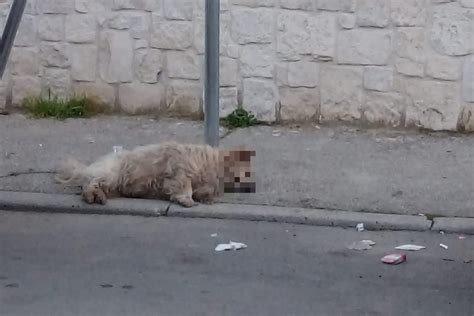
x=9, y=33
x=211, y=89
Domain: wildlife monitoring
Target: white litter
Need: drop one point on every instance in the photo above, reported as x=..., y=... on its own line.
x=441, y=232
x=214, y=235
x=117, y=149
x=410, y=247
x=362, y=245
x=443, y=246
x=360, y=227
x=231, y=246
x=461, y=237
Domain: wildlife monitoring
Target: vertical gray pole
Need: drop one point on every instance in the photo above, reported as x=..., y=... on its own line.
x=9, y=33
x=211, y=84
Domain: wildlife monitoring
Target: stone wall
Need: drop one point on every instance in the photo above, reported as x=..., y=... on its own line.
x=391, y=62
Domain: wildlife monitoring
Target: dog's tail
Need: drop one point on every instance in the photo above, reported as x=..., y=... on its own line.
x=71, y=171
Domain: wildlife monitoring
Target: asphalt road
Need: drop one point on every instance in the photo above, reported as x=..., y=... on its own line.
x=57, y=264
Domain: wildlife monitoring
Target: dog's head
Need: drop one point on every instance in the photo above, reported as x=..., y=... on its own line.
x=236, y=172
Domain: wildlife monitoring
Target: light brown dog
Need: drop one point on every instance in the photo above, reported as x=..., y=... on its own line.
x=181, y=173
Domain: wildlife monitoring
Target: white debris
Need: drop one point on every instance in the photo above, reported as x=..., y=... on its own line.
x=231, y=246
x=214, y=235
x=461, y=237
x=276, y=133
x=117, y=149
x=443, y=246
x=410, y=247
x=362, y=245
x=441, y=232
x=360, y=227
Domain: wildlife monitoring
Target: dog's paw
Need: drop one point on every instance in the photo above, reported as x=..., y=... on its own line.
x=94, y=194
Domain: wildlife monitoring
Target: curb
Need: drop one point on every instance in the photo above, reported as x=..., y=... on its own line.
x=454, y=225
x=315, y=217
x=73, y=204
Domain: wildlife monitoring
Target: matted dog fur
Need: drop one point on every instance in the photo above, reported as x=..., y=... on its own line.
x=182, y=173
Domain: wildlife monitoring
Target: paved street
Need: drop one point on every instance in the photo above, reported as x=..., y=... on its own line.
x=57, y=264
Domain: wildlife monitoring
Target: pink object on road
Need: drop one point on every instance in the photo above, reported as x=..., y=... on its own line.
x=395, y=258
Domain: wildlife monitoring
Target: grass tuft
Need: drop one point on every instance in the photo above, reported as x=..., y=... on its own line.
x=54, y=107
x=240, y=118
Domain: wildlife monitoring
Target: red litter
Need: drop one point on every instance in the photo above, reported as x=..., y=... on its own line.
x=395, y=258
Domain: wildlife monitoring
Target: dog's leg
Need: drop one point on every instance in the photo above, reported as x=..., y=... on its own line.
x=180, y=190
x=205, y=194
x=96, y=192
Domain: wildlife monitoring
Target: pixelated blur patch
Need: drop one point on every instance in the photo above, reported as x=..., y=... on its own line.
x=234, y=187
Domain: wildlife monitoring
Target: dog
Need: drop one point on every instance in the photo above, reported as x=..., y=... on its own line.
x=180, y=173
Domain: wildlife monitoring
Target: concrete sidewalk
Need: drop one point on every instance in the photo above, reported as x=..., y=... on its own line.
x=335, y=168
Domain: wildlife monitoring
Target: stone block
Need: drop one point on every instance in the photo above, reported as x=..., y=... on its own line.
x=299, y=104
x=51, y=27
x=228, y=100
x=83, y=62
x=148, y=65
x=57, y=82
x=347, y=20
x=434, y=105
x=303, y=74
x=443, y=67
x=384, y=108
x=93, y=6
x=467, y=3
x=171, y=34
x=364, y=47
x=409, y=12
x=375, y=13
x=468, y=79
x=116, y=56
x=453, y=30
x=24, y=61
x=301, y=33
x=183, y=65
x=259, y=97
x=178, y=9
x=54, y=54
x=141, y=98
x=337, y=5
x=27, y=31
x=341, y=93
x=100, y=92
x=257, y=60
x=24, y=87
x=410, y=43
x=378, y=78
x=409, y=68
x=297, y=4
x=184, y=98
x=145, y=5
x=466, y=121
x=56, y=7
x=81, y=28
x=137, y=22
x=229, y=72
x=254, y=3
x=252, y=25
